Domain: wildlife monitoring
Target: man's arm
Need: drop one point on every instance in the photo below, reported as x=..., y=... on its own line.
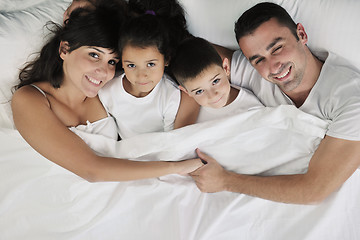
x=332, y=164
x=223, y=52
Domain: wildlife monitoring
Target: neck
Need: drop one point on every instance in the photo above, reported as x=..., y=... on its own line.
x=129, y=88
x=311, y=75
x=232, y=95
x=69, y=95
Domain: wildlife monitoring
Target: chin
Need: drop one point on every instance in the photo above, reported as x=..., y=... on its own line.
x=91, y=94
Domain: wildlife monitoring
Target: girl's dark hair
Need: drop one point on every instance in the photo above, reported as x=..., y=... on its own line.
x=99, y=27
x=251, y=19
x=159, y=23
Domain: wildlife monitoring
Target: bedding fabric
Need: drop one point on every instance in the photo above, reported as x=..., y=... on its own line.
x=45, y=201
x=40, y=200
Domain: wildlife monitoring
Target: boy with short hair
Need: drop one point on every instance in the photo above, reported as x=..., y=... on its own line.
x=204, y=76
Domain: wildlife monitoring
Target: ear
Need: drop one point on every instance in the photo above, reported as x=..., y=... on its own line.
x=63, y=49
x=300, y=30
x=226, y=66
x=166, y=61
x=184, y=90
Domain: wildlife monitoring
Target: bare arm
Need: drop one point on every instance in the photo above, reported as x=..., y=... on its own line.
x=223, y=52
x=188, y=111
x=332, y=164
x=41, y=128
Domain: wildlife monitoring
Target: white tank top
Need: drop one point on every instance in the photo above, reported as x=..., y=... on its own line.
x=105, y=126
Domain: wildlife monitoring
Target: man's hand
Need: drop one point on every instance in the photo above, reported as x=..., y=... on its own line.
x=211, y=176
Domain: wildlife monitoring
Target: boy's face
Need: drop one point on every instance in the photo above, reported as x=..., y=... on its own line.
x=211, y=88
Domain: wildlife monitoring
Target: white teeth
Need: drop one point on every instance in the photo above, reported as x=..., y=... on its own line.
x=97, y=82
x=284, y=74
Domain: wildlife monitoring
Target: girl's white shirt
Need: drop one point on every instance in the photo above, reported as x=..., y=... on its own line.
x=155, y=112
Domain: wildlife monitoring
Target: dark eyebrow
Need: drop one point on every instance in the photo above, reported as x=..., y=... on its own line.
x=253, y=57
x=97, y=49
x=210, y=80
x=275, y=41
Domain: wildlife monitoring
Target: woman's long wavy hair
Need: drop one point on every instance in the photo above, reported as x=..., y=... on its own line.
x=98, y=27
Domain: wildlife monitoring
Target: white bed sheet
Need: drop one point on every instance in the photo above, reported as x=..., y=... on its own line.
x=40, y=200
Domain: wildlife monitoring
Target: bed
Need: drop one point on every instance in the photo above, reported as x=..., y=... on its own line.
x=40, y=200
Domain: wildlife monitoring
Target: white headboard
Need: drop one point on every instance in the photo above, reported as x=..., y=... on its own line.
x=331, y=26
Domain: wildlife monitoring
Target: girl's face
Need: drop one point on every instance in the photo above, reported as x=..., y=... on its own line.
x=89, y=68
x=144, y=68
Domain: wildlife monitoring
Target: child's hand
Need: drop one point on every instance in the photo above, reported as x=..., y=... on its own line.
x=187, y=166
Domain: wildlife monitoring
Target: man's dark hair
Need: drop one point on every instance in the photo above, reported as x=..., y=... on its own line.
x=192, y=57
x=251, y=19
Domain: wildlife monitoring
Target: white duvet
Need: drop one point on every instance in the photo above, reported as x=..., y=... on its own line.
x=40, y=200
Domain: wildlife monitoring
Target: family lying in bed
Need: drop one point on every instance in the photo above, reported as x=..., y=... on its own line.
x=171, y=80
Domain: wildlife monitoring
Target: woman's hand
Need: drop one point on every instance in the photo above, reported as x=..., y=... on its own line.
x=187, y=166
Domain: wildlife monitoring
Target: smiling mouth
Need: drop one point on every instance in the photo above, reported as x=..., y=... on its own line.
x=218, y=100
x=284, y=75
x=94, y=81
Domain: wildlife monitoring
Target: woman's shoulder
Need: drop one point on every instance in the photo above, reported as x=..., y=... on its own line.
x=26, y=95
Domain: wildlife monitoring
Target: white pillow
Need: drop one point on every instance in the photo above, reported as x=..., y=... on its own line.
x=331, y=25
x=17, y=5
x=21, y=34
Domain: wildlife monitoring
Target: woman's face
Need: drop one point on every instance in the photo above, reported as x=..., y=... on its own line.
x=89, y=68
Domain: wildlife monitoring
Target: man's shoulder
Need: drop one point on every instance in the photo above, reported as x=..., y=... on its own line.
x=336, y=65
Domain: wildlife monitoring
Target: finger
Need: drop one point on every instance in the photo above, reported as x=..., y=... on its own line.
x=195, y=173
x=198, y=171
x=203, y=156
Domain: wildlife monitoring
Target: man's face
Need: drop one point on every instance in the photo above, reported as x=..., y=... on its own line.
x=276, y=54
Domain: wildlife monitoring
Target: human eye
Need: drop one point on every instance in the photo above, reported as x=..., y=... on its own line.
x=130, y=65
x=151, y=64
x=113, y=62
x=198, y=92
x=277, y=49
x=94, y=55
x=216, y=81
x=259, y=60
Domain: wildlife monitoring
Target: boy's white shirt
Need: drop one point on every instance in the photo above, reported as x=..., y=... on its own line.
x=155, y=112
x=244, y=101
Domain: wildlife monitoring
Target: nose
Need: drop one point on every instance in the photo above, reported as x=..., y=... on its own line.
x=103, y=71
x=274, y=65
x=142, y=73
x=212, y=93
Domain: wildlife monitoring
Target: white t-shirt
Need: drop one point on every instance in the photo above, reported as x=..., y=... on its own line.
x=335, y=96
x=155, y=112
x=244, y=101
